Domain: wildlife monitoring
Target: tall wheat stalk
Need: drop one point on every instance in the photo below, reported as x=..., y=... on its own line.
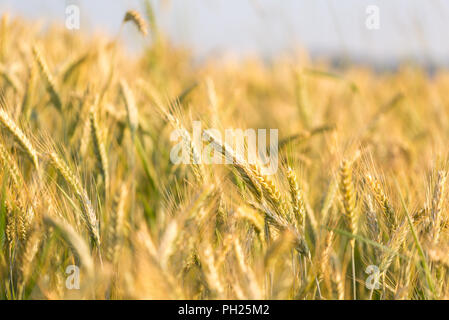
x=348, y=194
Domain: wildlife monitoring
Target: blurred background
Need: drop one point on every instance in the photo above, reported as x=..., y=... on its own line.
x=409, y=30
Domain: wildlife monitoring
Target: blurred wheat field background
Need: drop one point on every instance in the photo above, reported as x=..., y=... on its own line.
x=87, y=181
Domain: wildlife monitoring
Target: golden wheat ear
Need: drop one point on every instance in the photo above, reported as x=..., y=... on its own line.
x=349, y=203
x=136, y=18
x=48, y=77
x=87, y=210
x=437, y=205
x=348, y=195
x=12, y=128
x=296, y=198
x=79, y=246
x=99, y=148
x=131, y=107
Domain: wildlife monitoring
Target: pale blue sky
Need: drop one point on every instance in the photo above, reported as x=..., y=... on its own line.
x=408, y=28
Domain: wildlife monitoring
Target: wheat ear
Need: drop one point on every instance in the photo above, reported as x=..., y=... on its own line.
x=99, y=148
x=437, y=205
x=115, y=233
x=10, y=165
x=382, y=200
x=136, y=18
x=130, y=104
x=394, y=245
x=297, y=198
x=10, y=225
x=211, y=272
x=195, y=155
x=80, y=247
x=19, y=136
x=86, y=207
x=256, y=292
x=51, y=87
x=348, y=193
x=262, y=186
x=29, y=252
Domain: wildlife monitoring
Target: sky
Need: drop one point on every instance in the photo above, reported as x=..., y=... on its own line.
x=407, y=29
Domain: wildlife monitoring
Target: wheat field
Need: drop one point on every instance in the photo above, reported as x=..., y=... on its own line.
x=357, y=208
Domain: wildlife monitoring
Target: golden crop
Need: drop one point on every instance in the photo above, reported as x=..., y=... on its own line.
x=86, y=176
